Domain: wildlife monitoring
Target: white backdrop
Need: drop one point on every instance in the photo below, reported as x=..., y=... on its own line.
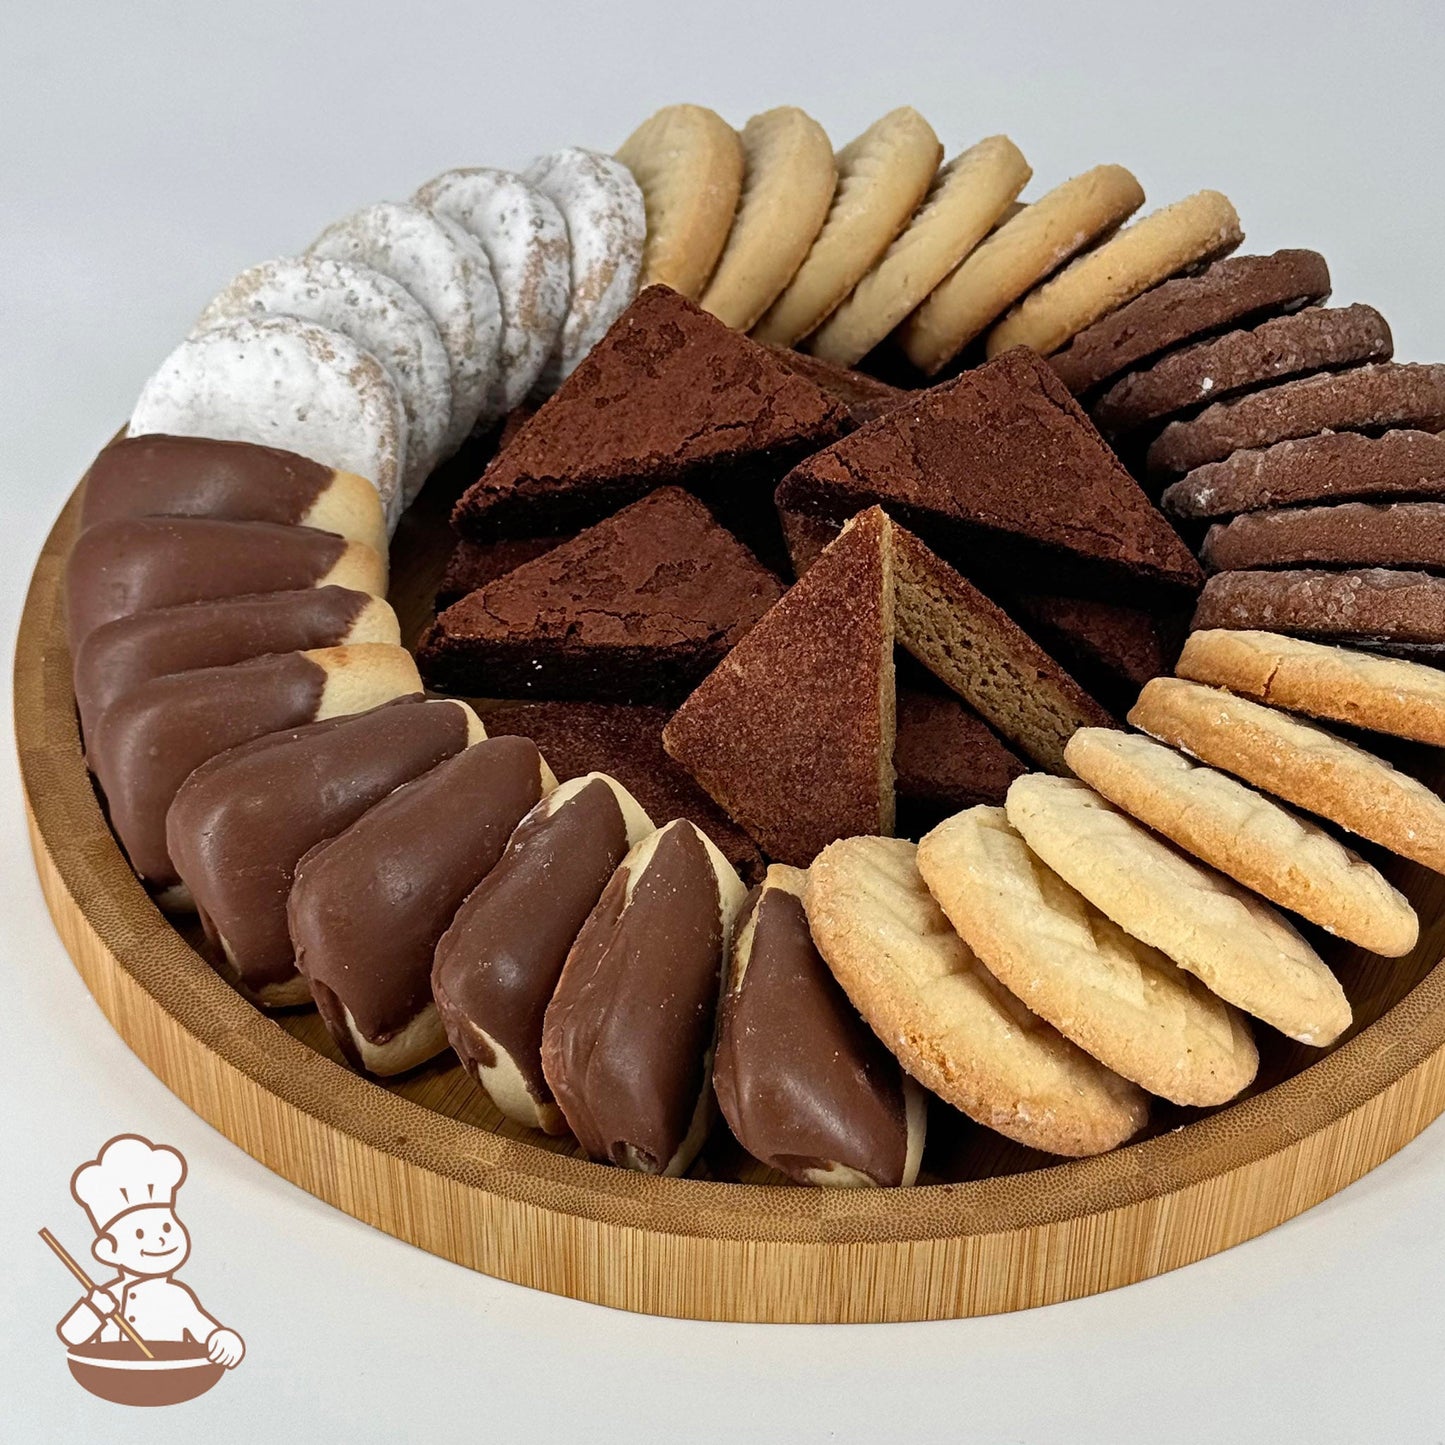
x=151, y=150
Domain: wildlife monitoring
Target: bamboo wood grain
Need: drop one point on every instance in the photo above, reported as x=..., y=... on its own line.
x=418, y=1161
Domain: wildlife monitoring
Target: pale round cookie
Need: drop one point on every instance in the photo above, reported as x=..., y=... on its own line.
x=606, y=228
x=952, y=1025
x=962, y=206
x=380, y=315
x=1363, y=689
x=788, y=181
x=525, y=239
x=1199, y=228
x=1023, y=251
x=1242, y=833
x=283, y=382
x=882, y=176
x=448, y=272
x=689, y=163
x=1118, y=999
x=1232, y=941
x=1296, y=761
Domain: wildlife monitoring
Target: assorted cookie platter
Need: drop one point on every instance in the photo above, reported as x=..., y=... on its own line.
x=757, y=732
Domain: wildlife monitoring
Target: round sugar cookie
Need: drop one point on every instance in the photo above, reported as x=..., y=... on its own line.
x=525, y=239
x=283, y=382
x=952, y=1025
x=380, y=315
x=448, y=272
x=964, y=203
x=788, y=181
x=1025, y=249
x=606, y=228
x=882, y=176
x=688, y=162
x=1199, y=228
x=1231, y=940
x=1118, y=999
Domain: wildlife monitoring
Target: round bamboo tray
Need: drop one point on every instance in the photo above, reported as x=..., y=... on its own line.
x=427, y=1160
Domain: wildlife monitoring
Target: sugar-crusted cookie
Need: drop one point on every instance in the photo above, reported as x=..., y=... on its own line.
x=1232, y=941
x=284, y=383
x=1199, y=228
x=1240, y=832
x=689, y=163
x=1024, y=250
x=1384, y=694
x=788, y=181
x=950, y=1022
x=380, y=315
x=1369, y=398
x=1296, y=761
x=1318, y=338
x=964, y=203
x=448, y=272
x=1118, y=999
x=1236, y=291
x=606, y=228
x=1348, y=534
x=525, y=239
x=882, y=176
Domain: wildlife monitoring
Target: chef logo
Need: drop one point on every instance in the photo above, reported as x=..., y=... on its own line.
x=139, y=1336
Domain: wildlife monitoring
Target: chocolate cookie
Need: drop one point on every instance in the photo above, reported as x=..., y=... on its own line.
x=1367, y=605
x=1237, y=290
x=1367, y=399
x=1318, y=338
x=1334, y=466
x=1352, y=534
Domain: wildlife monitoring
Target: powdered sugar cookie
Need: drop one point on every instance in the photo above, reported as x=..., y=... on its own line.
x=962, y=206
x=525, y=239
x=380, y=315
x=448, y=272
x=284, y=383
x=788, y=182
x=606, y=227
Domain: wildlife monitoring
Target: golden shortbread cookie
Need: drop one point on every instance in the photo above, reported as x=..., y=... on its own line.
x=962, y=206
x=1234, y=942
x=952, y=1024
x=1026, y=248
x=688, y=162
x=1253, y=839
x=1199, y=228
x=788, y=181
x=1118, y=999
x=1299, y=762
x=1383, y=694
x=882, y=176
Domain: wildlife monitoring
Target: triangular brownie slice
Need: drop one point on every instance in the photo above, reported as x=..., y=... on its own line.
x=1001, y=472
x=794, y=732
x=669, y=396
x=636, y=609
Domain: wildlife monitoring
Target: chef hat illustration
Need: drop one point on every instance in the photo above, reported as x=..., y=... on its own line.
x=129, y=1173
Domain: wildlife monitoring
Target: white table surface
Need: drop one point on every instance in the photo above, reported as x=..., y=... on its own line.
x=151, y=150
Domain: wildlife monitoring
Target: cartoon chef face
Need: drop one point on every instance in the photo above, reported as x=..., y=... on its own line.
x=146, y=1241
x=129, y=1193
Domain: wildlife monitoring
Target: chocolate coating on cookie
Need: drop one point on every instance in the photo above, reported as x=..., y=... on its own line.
x=1234, y=291
x=1367, y=605
x=1349, y=534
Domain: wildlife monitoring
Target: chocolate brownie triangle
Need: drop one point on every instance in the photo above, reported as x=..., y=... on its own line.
x=793, y=734
x=635, y=609
x=1001, y=472
x=669, y=396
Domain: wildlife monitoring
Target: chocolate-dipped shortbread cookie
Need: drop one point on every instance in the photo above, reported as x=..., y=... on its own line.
x=496, y=967
x=803, y=1082
x=152, y=739
x=368, y=906
x=127, y=566
x=628, y=1040
x=241, y=822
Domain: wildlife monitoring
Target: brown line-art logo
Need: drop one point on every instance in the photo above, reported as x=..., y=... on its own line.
x=139, y=1337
